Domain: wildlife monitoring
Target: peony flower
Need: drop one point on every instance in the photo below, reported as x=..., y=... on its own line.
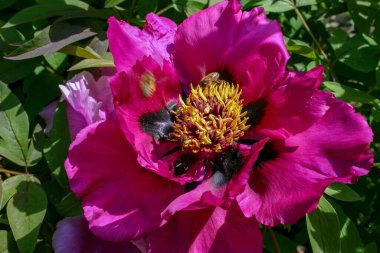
x=211, y=134
x=73, y=236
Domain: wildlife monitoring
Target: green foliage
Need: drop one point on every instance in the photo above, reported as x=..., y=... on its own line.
x=45, y=42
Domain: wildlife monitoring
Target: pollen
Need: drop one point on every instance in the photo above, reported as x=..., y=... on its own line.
x=211, y=118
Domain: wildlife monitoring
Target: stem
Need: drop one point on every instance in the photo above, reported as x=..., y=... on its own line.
x=11, y=172
x=275, y=242
x=160, y=12
x=307, y=27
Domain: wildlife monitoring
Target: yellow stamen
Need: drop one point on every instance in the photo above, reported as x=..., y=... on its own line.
x=211, y=118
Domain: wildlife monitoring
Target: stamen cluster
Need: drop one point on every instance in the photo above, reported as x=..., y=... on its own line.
x=211, y=118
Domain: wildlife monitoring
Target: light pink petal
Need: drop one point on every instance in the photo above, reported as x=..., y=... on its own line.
x=129, y=44
x=74, y=236
x=212, y=230
x=121, y=200
x=224, y=39
x=293, y=106
x=87, y=100
x=334, y=149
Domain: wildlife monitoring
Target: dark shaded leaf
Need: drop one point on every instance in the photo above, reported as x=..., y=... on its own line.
x=69, y=206
x=57, y=145
x=50, y=40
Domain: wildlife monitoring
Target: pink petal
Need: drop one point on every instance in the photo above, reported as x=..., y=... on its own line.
x=334, y=149
x=129, y=44
x=121, y=200
x=88, y=100
x=210, y=230
x=74, y=236
x=211, y=193
x=294, y=105
x=132, y=106
x=222, y=38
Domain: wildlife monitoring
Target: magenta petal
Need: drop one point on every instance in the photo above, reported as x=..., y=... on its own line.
x=121, y=200
x=334, y=149
x=210, y=230
x=295, y=105
x=132, y=106
x=74, y=236
x=222, y=38
x=129, y=44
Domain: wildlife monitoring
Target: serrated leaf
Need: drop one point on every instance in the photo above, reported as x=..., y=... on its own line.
x=57, y=145
x=14, y=128
x=323, y=228
x=26, y=211
x=69, y=206
x=50, y=40
x=342, y=192
x=8, y=188
x=85, y=52
x=92, y=63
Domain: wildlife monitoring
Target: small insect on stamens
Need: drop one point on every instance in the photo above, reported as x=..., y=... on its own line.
x=211, y=78
x=148, y=84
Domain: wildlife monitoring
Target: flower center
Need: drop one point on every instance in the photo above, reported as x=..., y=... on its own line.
x=211, y=118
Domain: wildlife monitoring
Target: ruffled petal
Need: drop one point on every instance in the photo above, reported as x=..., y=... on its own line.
x=74, y=236
x=121, y=200
x=224, y=39
x=293, y=106
x=88, y=101
x=145, y=117
x=210, y=230
x=217, y=191
x=129, y=44
x=334, y=149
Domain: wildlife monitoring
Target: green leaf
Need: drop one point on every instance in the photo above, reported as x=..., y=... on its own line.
x=50, y=40
x=86, y=52
x=9, y=188
x=342, y=192
x=92, y=63
x=69, y=206
x=146, y=6
x=301, y=48
x=26, y=211
x=7, y=243
x=189, y=7
x=57, y=145
x=14, y=128
x=36, y=146
x=49, y=9
x=112, y=3
x=363, y=13
x=12, y=71
x=349, y=236
x=7, y=3
x=364, y=58
x=371, y=248
x=58, y=61
x=323, y=228
x=349, y=94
